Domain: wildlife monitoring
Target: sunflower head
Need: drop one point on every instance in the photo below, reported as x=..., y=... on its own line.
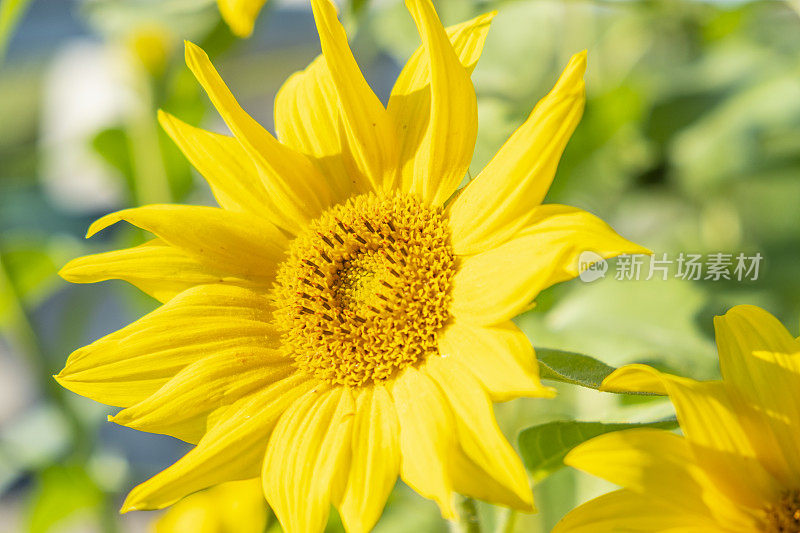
x=344, y=317
x=736, y=466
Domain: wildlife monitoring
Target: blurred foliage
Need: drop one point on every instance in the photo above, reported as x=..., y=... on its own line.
x=690, y=143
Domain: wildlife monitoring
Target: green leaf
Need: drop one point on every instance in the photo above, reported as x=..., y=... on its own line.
x=62, y=491
x=573, y=368
x=544, y=447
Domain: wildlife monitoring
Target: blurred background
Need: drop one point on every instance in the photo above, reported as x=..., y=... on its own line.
x=690, y=143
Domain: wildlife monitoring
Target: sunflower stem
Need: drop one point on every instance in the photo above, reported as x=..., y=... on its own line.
x=468, y=521
x=506, y=520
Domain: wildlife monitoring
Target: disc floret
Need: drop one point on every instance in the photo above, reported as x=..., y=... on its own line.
x=784, y=515
x=366, y=288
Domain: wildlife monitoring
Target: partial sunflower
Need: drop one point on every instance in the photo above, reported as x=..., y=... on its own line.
x=240, y=15
x=737, y=466
x=337, y=323
x=234, y=507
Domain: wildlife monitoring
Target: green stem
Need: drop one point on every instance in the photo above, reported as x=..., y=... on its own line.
x=506, y=521
x=150, y=180
x=468, y=521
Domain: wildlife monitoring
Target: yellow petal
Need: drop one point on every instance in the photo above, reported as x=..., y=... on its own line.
x=409, y=103
x=370, y=134
x=375, y=460
x=236, y=243
x=224, y=164
x=713, y=429
x=628, y=511
x=155, y=267
x=308, y=118
x=444, y=152
x=496, y=285
x=657, y=464
x=129, y=365
x=500, y=357
x=237, y=506
x=295, y=185
x=760, y=362
x=426, y=438
x=634, y=378
x=498, y=202
x=233, y=449
x=181, y=407
x=306, y=463
x=478, y=434
x=240, y=15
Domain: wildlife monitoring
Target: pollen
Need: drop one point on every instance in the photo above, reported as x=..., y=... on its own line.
x=365, y=289
x=784, y=516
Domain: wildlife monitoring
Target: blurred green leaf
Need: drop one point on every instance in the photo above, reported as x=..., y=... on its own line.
x=573, y=368
x=112, y=145
x=62, y=491
x=544, y=447
x=32, y=261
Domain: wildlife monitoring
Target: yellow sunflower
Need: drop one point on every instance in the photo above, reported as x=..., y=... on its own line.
x=234, y=507
x=337, y=321
x=737, y=466
x=240, y=15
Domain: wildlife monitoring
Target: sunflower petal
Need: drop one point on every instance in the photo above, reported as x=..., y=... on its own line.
x=240, y=15
x=657, y=464
x=426, y=438
x=156, y=268
x=495, y=285
x=445, y=150
x=410, y=101
x=370, y=134
x=712, y=427
x=231, y=450
x=408, y=95
x=375, y=460
x=211, y=235
x=297, y=188
x=306, y=461
x=628, y=511
x=478, y=433
x=129, y=365
x=224, y=164
x=307, y=118
x=181, y=407
x=497, y=203
x=500, y=357
x=760, y=362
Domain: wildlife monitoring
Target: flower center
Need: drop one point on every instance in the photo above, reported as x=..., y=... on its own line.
x=784, y=516
x=365, y=289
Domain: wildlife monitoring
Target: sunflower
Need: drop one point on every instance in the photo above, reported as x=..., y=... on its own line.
x=240, y=15
x=338, y=321
x=737, y=466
